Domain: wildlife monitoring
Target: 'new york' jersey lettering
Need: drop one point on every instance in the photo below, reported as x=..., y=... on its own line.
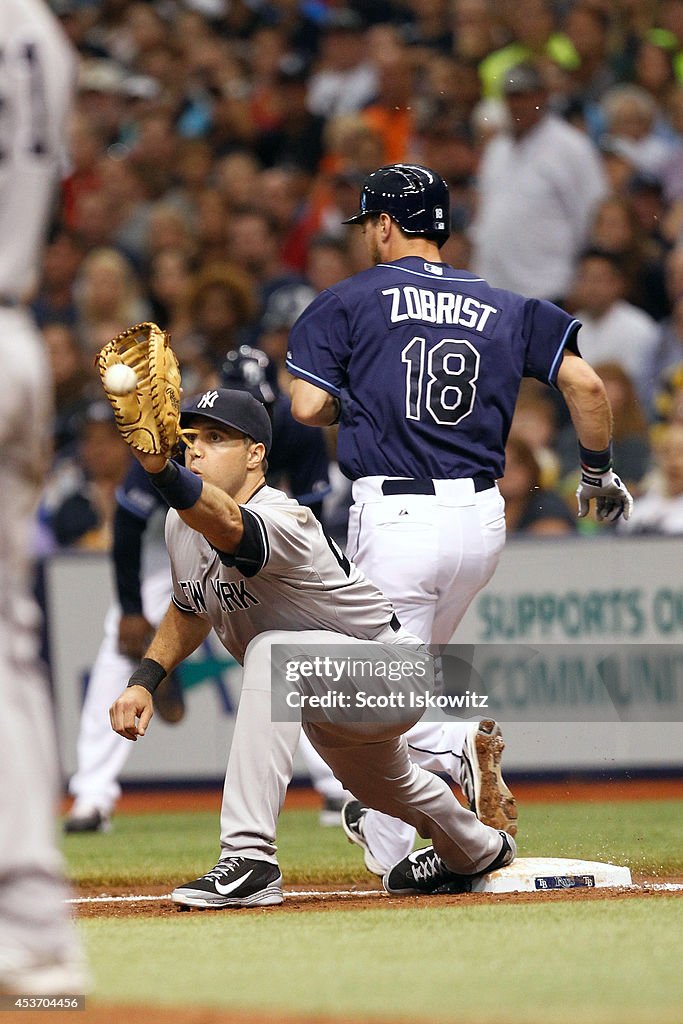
x=285, y=575
x=427, y=362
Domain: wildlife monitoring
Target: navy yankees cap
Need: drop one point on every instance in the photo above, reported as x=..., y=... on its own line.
x=238, y=409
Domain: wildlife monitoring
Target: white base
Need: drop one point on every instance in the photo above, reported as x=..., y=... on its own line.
x=543, y=874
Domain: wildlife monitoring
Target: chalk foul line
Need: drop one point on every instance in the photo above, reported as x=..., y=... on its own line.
x=349, y=893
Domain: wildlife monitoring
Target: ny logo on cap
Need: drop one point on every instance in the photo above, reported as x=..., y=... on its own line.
x=207, y=400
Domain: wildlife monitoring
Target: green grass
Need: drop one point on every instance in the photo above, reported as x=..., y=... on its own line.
x=601, y=962
x=168, y=848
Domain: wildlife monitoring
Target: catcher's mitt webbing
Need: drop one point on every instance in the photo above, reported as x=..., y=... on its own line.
x=148, y=416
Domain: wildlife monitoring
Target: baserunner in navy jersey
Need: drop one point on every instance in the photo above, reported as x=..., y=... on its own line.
x=421, y=365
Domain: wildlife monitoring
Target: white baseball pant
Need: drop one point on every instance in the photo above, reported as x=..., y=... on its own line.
x=430, y=554
x=101, y=753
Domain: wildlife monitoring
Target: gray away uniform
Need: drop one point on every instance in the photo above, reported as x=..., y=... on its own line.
x=288, y=584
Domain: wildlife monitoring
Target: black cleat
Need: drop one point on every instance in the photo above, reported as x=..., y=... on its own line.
x=352, y=817
x=234, y=882
x=423, y=873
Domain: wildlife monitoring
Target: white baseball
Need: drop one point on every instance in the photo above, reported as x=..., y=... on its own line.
x=120, y=379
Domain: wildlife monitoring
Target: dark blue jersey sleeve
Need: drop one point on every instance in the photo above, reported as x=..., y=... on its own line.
x=127, y=557
x=137, y=495
x=548, y=331
x=320, y=344
x=299, y=453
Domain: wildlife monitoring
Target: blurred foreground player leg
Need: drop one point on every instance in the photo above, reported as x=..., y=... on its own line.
x=39, y=949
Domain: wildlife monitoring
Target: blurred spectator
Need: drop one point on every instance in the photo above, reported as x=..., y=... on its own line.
x=234, y=176
x=296, y=138
x=169, y=284
x=530, y=508
x=266, y=50
x=630, y=439
x=534, y=36
x=283, y=309
x=654, y=70
x=430, y=27
x=659, y=509
x=534, y=422
x=86, y=144
x=108, y=295
x=95, y=219
x=155, y=151
x=168, y=227
x=73, y=380
x=282, y=192
x=102, y=90
x=327, y=263
x=476, y=30
x=668, y=400
x=81, y=498
x=587, y=26
x=630, y=114
x=221, y=304
x=55, y=301
x=255, y=244
x=669, y=348
x=344, y=79
x=121, y=183
x=614, y=330
x=390, y=115
x=192, y=172
x=449, y=91
x=211, y=226
x=616, y=229
x=537, y=190
x=646, y=196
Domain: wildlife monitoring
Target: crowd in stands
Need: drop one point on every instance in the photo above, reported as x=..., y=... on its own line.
x=217, y=146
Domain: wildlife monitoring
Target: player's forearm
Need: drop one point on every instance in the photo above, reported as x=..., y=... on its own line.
x=312, y=405
x=587, y=402
x=217, y=517
x=178, y=635
x=205, y=508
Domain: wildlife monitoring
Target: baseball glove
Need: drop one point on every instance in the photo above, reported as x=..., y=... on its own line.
x=148, y=416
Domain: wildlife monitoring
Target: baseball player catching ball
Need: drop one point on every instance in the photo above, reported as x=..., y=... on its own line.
x=143, y=586
x=256, y=566
x=39, y=949
x=421, y=365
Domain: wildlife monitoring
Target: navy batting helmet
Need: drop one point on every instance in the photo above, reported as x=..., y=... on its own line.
x=415, y=197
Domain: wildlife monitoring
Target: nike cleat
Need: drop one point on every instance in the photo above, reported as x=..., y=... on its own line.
x=234, y=882
x=423, y=873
